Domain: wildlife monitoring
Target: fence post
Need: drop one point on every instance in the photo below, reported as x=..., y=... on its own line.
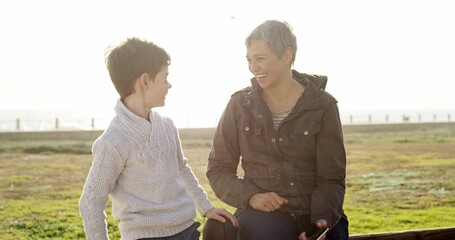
x=93, y=123
x=56, y=123
x=18, y=124
x=369, y=118
x=405, y=118
x=350, y=119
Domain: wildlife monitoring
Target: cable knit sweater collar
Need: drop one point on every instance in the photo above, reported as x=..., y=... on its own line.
x=133, y=122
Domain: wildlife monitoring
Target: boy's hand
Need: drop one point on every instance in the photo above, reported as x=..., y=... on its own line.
x=219, y=214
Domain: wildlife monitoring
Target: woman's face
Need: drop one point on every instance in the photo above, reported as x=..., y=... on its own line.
x=266, y=67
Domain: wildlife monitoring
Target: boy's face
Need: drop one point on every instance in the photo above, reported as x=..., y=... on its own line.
x=159, y=88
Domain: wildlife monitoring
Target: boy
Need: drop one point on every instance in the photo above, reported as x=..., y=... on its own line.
x=139, y=161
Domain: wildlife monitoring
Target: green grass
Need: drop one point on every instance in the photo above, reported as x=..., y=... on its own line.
x=46, y=147
x=386, y=218
x=46, y=219
x=396, y=180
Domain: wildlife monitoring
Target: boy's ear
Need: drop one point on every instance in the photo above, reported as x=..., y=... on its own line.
x=142, y=81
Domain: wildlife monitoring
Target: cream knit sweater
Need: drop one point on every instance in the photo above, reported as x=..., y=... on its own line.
x=140, y=164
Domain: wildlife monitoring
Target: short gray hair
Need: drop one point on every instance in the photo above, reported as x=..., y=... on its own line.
x=277, y=35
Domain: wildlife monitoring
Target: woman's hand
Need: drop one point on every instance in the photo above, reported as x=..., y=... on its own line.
x=320, y=224
x=267, y=202
x=220, y=214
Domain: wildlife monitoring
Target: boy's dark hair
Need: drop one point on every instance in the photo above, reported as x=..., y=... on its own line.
x=130, y=60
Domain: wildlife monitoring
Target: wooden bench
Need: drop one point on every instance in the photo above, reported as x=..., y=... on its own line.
x=422, y=234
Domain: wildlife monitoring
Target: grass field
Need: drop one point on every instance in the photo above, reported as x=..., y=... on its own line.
x=399, y=177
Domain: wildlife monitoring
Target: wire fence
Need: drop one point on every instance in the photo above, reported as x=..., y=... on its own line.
x=84, y=123
x=397, y=118
x=19, y=124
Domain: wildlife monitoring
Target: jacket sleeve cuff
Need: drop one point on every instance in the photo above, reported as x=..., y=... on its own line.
x=331, y=220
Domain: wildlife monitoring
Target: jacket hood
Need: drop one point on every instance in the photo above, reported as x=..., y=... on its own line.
x=319, y=80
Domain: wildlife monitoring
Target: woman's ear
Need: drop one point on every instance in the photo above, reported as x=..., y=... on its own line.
x=288, y=54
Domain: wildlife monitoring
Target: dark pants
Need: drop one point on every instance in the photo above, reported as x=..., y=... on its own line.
x=269, y=226
x=191, y=233
x=216, y=230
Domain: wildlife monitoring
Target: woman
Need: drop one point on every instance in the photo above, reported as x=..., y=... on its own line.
x=286, y=132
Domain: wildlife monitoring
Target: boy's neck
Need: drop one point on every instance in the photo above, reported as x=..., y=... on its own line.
x=136, y=106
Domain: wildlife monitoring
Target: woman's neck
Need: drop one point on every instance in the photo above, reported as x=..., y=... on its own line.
x=283, y=90
x=283, y=97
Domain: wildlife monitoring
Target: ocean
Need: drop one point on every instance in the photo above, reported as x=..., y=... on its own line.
x=49, y=120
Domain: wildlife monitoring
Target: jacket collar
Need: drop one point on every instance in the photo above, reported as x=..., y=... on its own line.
x=310, y=99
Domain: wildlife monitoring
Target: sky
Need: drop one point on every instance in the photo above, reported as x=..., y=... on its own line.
x=378, y=55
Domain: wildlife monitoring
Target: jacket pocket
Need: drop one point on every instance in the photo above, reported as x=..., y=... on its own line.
x=302, y=139
x=252, y=137
x=264, y=177
x=304, y=130
x=266, y=183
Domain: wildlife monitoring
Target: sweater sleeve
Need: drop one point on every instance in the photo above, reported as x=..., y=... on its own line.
x=106, y=166
x=197, y=193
